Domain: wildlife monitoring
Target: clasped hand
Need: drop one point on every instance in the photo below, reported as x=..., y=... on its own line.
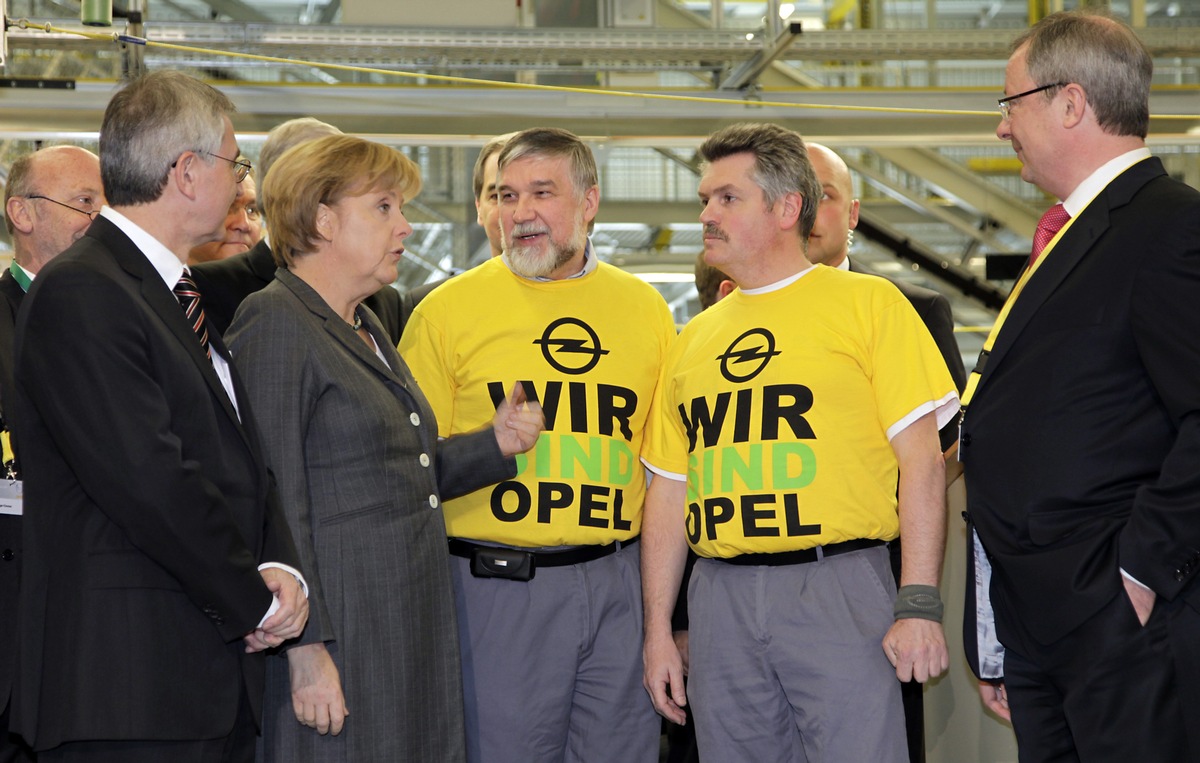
x=288, y=621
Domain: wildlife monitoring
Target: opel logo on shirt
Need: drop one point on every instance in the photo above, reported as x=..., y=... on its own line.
x=571, y=346
x=748, y=355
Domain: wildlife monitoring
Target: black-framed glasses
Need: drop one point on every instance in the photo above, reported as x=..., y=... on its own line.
x=90, y=213
x=241, y=168
x=1006, y=103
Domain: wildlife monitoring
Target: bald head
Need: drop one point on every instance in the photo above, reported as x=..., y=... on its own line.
x=49, y=200
x=837, y=214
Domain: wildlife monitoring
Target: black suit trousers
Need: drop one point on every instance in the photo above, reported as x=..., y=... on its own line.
x=1108, y=692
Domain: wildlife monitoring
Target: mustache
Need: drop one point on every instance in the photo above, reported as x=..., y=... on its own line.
x=712, y=231
x=526, y=229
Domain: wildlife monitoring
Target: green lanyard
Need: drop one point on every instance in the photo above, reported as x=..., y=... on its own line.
x=22, y=277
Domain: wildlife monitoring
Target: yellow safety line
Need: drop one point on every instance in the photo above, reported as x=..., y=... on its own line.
x=121, y=38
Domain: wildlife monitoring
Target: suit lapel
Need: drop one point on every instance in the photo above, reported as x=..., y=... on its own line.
x=161, y=301
x=339, y=331
x=1066, y=255
x=12, y=294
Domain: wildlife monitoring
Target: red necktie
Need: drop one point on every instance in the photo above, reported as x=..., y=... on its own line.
x=1050, y=224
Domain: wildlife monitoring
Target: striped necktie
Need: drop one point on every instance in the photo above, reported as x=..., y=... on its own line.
x=189, y=299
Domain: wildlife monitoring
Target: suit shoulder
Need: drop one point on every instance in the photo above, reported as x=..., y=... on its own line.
x=273, y=309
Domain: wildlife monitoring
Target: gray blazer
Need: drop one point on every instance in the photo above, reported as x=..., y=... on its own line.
x=353, y=445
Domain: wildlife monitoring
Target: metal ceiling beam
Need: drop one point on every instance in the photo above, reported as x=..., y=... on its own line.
x=905, y=248
x=748, y=72
x=329, y=12
x=956, y=182
x=581, y=47
x=913, y=201
x=238, y=11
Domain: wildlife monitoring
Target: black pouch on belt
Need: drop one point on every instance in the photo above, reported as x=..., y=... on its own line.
x=508, y=563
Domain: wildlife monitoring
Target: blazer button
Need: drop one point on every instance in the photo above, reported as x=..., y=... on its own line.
x=415, y=419
x=1179, y=576
x=424, y=459
x=433, y=501
x=966, y=439
x=7, y=555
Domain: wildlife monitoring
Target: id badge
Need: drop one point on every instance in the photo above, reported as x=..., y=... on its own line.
x=11, y=497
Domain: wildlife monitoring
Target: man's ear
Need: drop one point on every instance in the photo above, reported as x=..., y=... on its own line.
x=790, y=206
x=184, y=174
x=17, y=212
x=1075, y=105
x=725, y=288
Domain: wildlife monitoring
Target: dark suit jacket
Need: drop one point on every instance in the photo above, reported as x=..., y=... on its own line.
x=225, y=283
x=11, y=295
x=148, y=510
x=1082, y=442
x=934, y=310
x=356, y=476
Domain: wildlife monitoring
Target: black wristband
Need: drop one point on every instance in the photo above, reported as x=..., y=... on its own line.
x=923, y=602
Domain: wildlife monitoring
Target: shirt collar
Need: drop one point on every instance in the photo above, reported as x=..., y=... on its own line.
x=164, y=261
x=780, y=284
x=589, y=264
x=21, y=275
x=1096, y=182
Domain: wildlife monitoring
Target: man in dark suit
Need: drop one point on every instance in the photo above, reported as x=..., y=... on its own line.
x=49, y=201
x=153, y=540
x=225, y=283
x=1082, y=419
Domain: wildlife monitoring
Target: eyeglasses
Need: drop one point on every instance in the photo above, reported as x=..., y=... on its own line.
x=241, y=168
x=90, y=213
x=1005, y=104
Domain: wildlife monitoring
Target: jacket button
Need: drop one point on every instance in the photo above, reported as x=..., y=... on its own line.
x=7, y=555
x=966, y=439
x=1179, y=575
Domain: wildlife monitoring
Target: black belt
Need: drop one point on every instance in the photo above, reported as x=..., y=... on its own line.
x=565, y=558
x=802, y=556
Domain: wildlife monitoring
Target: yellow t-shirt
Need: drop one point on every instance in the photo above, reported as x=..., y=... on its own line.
x=779, y=407
x=592, y=348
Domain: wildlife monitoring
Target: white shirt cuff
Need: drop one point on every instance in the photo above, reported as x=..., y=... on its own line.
x=1133, y=580
x=275, y=599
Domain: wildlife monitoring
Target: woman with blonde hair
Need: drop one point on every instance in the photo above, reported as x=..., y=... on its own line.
x=353, y=446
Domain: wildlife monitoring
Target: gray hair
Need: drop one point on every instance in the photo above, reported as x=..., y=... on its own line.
x=287, y=134
x=781, y=164
x=19, y=184
x=149, y=124
x=1101, y=54
x=551, y=141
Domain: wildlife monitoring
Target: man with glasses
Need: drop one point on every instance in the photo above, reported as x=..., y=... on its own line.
x=1081, y=429
x=49, y=200
x=156, y=559
x=227, y=282
x=242, y=229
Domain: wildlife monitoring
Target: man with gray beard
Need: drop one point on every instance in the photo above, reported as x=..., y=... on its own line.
x=587, y=341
